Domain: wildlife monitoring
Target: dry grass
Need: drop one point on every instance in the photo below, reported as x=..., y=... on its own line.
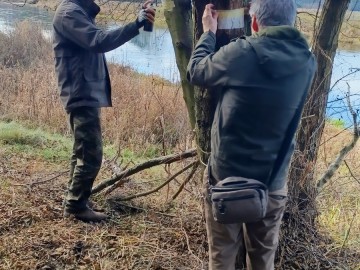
x=119, y=11
x=34, y=235
x=350, y=32
x=339, y=202
x=147, y=109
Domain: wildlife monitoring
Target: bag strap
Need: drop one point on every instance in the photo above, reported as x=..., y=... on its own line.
x=287, y=140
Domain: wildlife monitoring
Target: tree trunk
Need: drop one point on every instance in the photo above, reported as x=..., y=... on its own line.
x=205, y=100
x=178, y=18
x=301, y=213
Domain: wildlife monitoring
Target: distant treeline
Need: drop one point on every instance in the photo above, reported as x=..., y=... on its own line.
x=354, y=4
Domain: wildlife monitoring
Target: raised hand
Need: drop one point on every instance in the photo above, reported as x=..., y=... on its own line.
x=209, y=19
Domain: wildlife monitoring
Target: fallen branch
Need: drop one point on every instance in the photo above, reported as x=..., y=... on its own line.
x=31, y=184
x=115, y=204
x=146, y=165
x=188, y=244
x=188, y=178
x=162, y=185
x=343, y=152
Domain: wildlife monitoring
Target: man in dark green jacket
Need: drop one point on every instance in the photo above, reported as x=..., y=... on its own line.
x=261, y=81
x=84, y=84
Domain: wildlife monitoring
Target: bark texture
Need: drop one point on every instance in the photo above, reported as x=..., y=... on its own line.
x=178, y=18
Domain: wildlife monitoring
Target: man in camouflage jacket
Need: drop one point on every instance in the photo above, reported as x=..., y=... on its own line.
x=84, y=83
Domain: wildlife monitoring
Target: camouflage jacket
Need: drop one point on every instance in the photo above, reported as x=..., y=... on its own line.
x=79, y=47
x=261, y=82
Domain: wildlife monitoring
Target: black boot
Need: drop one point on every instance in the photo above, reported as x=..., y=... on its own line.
x=86, y=215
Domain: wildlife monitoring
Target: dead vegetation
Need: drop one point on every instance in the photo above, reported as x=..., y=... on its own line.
x=151, y=234
x=349, y=38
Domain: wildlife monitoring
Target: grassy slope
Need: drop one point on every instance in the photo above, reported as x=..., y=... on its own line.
x=33, y=234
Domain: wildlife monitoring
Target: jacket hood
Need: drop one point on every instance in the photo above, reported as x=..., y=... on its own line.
x=89, y=6
x=281, y=50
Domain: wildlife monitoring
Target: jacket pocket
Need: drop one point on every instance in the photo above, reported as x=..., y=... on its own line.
x=94, y=67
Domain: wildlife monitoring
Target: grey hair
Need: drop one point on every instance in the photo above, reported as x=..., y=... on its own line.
x=274, y=12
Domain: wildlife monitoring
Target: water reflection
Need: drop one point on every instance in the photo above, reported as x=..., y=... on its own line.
x=148, y=53
x=11, y=14
x=346, y=75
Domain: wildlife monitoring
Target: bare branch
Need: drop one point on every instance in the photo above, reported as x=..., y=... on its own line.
x=194, y=164
x=31, y=184
x=343, y=152
x=354, y=70
x=142, y=166
x=351, y=173
x=188, y=178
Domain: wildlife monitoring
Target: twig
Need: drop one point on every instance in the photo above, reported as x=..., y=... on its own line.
x=142, y=166
x=351, y=173
x=188, y=243
x=188, y=178
x=41, y=182
x=161, y=186
x=348, y=231
x=354, y=70
x=143, y=209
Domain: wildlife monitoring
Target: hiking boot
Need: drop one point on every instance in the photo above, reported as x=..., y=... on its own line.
x=94, y=206
x=87, y=215
x=89, y=204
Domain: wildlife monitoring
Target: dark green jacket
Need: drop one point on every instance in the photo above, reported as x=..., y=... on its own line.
x=79, y=47
x=261, y=80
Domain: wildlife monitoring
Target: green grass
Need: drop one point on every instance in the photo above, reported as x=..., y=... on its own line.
x=56, y=147
x=338, y=123
x=34, y=142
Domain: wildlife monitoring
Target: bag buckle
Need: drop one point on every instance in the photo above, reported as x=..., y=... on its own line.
x=221, y=207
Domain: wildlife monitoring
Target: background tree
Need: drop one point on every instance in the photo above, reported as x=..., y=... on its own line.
x=299, y=225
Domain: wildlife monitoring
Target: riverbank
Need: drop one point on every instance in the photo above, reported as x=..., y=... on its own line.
x=111, y=11
x=126, y=11
x=349, y=38
x=146, y=109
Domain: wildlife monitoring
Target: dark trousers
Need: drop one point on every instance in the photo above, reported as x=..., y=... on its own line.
x=86, y=157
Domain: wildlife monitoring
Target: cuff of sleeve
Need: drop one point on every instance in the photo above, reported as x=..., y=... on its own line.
x=139, y=24
x=133, y=27
x=211, y=34
x=208, y=38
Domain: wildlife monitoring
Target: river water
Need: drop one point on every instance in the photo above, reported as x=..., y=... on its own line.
x=152, y=53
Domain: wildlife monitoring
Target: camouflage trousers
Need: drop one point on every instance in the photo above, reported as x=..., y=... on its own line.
x=86, y=157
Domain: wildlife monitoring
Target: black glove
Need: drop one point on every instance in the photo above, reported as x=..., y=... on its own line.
x=141, y=18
